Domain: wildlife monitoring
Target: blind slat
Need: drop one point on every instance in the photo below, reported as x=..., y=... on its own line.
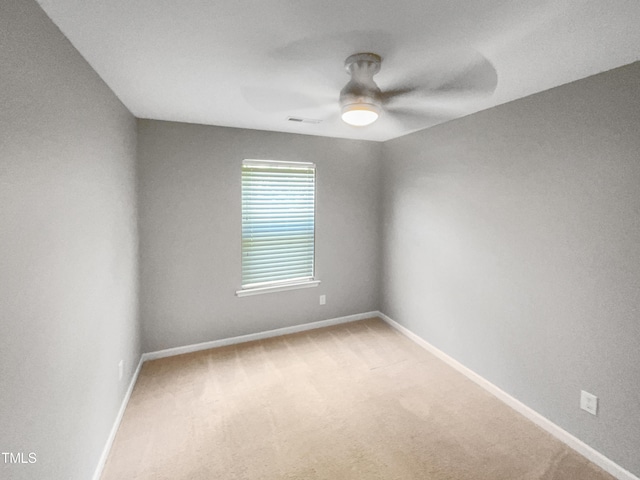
x=271, y=277
x=265, y=268
x=268, y=254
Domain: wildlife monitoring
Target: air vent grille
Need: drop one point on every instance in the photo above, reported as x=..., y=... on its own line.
x=303, y=120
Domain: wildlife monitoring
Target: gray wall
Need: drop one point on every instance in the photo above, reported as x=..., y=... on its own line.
x=512, y=243
x=68, y=250
x=190, y=231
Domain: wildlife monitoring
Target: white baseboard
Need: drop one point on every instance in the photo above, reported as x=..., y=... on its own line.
x=112, y=435
x=578, y=445
x=170, y=352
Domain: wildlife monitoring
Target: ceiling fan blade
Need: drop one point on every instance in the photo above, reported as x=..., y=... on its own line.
x=389, y=95
x=424, y=113
x=463, y=73
x=272, y=100
x=478, y=77
x=323, y=50
x=424, y=103
x=407, y=120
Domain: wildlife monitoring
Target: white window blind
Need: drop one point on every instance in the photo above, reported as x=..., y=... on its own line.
x=278, y=222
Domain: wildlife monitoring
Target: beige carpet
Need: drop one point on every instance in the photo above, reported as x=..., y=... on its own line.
x=352, y=402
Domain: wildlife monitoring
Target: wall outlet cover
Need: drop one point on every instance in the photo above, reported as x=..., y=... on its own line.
x=589, y=402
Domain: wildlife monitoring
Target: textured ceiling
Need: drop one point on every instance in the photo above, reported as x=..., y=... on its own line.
x=251, y=64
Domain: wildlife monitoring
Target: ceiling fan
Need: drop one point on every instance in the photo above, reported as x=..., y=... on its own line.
x=362, y=102
x=438, y=94
x=361, y=98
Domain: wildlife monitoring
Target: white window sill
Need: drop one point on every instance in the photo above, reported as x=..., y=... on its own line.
x=277, y=288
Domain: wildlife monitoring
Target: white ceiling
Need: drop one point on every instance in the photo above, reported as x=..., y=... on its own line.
x=251, y=64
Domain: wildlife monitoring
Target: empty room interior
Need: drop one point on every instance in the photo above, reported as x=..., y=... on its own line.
x=319, y=240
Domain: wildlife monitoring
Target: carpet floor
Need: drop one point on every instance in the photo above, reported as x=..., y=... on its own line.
x=356, y=401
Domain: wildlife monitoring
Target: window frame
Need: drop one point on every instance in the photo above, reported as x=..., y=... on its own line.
x=287, y=284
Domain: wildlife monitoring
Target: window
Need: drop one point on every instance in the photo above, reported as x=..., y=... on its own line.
x=278, y=226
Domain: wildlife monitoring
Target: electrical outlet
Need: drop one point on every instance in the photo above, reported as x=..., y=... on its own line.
x=323, y=299
x=589, y=402
x=120, y=369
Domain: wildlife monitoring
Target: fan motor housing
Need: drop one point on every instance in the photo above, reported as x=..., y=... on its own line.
x=362, y=89
x=370, y=60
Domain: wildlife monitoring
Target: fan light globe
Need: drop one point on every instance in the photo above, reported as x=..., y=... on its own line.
x=360, y=114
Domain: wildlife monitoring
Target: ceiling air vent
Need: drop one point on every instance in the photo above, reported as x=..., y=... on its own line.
x=303, y=120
